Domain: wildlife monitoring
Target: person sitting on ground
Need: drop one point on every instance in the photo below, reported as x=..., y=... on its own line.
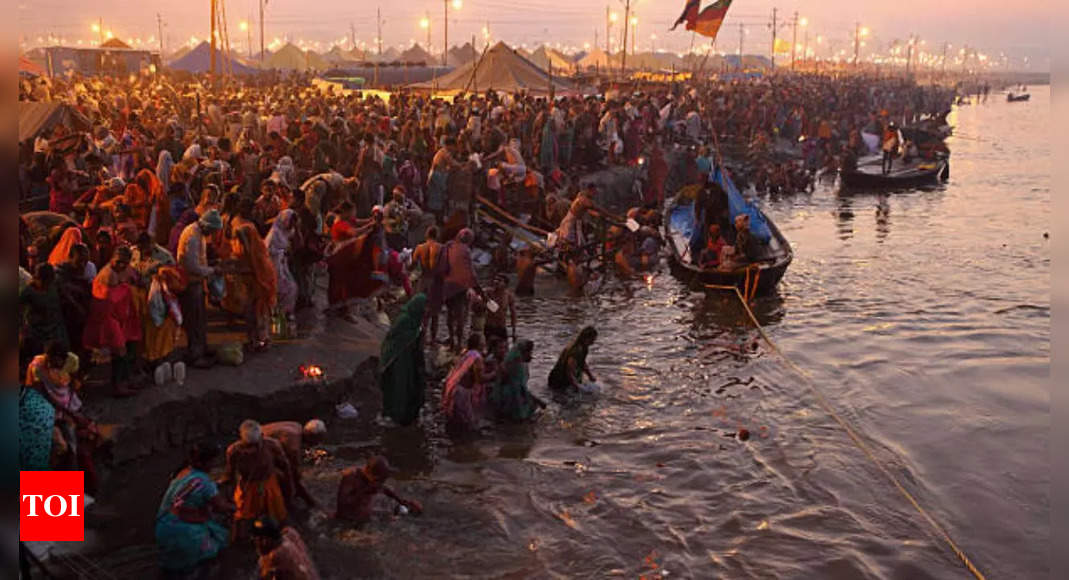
x=710, y=256
x=746, y=249
x=283, y=554
x=294, y=438
x=571, y=365
x=360, y=485
x=260, y=469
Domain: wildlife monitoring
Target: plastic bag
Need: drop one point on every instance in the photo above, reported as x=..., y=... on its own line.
x=217, y=287
x=346, y=410
x=230, y=353
x=157, y=306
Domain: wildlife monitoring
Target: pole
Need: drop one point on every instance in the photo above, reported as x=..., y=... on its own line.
x=212, y=42
x=623, y=49
x=946, y=45
x=608, y=33
x=352, y=37
x=427, y=15
x=159, y=27
x=909, y=54
x=378, y=39
x=774, y=11
x=634, y=35
x=261, y=32
x=794, y=38
x=445, y=40
x=805, y=48
x=742, y=33
x=248, y=38
x=857, y=43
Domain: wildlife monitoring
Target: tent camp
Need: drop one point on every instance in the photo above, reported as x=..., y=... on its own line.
x=416, y=54
x=37, y=117
x=545, y=56
x=116, y=43
x=292, y=58
x=391, y=54
x=178, y=54
x=461, y=55
x=199, y=60
x=30, y=68
x=500, y=69
x=600, y=59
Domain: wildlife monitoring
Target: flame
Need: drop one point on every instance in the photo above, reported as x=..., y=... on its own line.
x=649, y=281
x=311, y=371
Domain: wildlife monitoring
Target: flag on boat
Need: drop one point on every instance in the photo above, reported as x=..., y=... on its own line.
x=706, y=22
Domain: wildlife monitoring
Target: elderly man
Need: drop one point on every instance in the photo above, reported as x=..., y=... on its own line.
x=193, y=259
x=359, y=486
x=294, y=437
x=260, y=469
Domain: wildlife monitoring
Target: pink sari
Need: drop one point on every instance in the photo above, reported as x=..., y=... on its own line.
x=113, y=318
x=462, y=398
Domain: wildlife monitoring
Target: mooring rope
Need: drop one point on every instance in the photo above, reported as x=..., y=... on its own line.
x=858, y=441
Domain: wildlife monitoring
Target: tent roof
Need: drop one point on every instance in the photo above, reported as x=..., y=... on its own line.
x=599, y=58
x=416, y=54
x=501, y=69
x=290, y=57
x=460, y=55
x=199, y=60
x=544, y=55
x=29, y=67
x=115, y=43
x=37, y=117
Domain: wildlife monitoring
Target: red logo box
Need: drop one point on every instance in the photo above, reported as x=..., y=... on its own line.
x=51, y=506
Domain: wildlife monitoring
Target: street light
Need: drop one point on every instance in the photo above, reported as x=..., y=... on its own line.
x=457, y=5
x=634, y=33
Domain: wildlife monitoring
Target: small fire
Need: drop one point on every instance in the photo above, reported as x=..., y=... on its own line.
x=311, y=371
x=649, y=281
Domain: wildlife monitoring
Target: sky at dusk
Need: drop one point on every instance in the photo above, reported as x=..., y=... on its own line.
x=1019, y=28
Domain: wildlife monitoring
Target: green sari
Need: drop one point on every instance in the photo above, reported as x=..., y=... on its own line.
x=401, y=366
x=510, y=397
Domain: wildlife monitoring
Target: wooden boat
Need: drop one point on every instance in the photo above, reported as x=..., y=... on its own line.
x=869, y=174
x=1012, y=98
x=680, y=223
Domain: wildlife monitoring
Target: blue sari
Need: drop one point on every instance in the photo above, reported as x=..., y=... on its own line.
x=183, y=545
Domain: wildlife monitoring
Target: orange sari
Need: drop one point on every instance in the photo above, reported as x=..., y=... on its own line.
x=257, y=282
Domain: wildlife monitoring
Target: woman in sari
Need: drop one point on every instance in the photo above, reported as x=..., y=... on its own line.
x=280, y=241
x=42, y=314
x=113, y=322
x=568, y=372
x=61, y=252
x=252, y=287
x=510, y=397
x=163, y=324
x=187, y=536
x=463, y=393
x=401, y=365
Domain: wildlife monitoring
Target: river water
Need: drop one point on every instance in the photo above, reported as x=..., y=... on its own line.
x=923, y=316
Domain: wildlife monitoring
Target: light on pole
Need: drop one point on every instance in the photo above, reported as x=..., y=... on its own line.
x=457, y=5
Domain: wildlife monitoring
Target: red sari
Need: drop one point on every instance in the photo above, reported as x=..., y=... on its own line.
x=352, y=269
x=113, y=316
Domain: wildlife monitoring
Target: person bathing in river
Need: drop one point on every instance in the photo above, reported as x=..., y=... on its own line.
x=506, y=310
x=457, y=282
x=401, y=364
x=294, y=437
x=463, y=393
x=261, y=471
x=568, y=373
x=359, y=486
x=510, y=398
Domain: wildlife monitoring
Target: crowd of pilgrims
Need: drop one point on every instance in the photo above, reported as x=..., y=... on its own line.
x=180, y=201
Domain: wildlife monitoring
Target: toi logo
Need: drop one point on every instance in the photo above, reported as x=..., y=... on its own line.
x=51, y=506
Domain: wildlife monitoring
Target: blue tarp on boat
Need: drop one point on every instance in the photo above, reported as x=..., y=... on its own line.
x=738, y=205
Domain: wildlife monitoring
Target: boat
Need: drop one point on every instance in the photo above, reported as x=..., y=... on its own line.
x=869, y=174
x=1012, y=98
x=679, y=226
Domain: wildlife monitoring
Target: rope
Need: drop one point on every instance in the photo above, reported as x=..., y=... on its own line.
x=826, y=405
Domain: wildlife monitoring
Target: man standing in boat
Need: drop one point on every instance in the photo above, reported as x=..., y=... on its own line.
x=891, y=141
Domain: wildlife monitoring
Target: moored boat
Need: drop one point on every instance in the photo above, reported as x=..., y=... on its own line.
x=1012, y=98
x=901, y=175
x=682, y=224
